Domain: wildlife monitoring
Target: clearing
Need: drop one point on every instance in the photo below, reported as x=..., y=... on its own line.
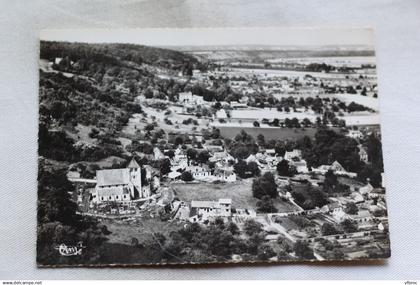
x=240, y=192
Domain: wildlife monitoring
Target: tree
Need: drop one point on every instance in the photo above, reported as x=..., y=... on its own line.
x=252, y=227
x=187, y=176
x=352, y=209
x=302, y=250
x=265, y=205
x=284, y=169
x=330, y=181
x=264, y=185
x=58, y=221
x=253, y=169
x=306, y=122
x=284, y=245
x=338, y=254
x=203, y=157
x=191, y=154
x=240, y=168
x=329, y=229
x=265, y=251
x=149, y=127
x=233, y=228
x=349, y=226
x=261, y=140
x=164, y=166
x=170, y=153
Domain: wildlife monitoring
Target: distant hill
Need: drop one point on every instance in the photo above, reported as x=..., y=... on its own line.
x=262, y=53
x=117, y=52
x=87, y=93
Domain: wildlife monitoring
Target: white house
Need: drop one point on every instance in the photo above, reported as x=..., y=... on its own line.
x=301, y=166
x=363, y=154
x=355, y=134
x=335, y=167
x=221, y=114
x=199, y=172
x=189, y=98
x=184, y=97
x=289, y=155
x=211, y=209
x=158, y=154
x=365, y=190
x=362, y=216
x=221, y=156
x=225, y=174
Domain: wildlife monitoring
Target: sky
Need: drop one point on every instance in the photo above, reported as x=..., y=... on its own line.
x=217, y=36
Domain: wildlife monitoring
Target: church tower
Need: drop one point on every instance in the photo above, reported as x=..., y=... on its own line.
x=135, y=178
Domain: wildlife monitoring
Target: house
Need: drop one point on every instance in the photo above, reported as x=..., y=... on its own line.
x=365, y=190
x=363, y=154
x=120, y=185
x=221, y=114
x=252, y=158
x=339, y=215
x=289, y=155
x=225, y=174
x=158, y=154
x=213, y=148
x=355, y=134
x=211, y=209
x=221, y=156
x=199, y=172
x=270, y=151
x=361, y=216
x=184, y=97
x=189, y=98
x=301, y=166
x=150, y=172
x=357, y=197
x=335, y=167
x=336, y=211
x=173, y=175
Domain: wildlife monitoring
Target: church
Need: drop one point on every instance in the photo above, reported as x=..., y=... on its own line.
x=120, y=185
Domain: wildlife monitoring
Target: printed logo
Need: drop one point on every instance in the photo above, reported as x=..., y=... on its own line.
x=66, y=250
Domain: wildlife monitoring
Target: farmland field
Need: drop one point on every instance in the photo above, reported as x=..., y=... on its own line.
x=240, y=192
x=268, y=133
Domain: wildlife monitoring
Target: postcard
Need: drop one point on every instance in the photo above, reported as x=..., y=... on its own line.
x=198, y=146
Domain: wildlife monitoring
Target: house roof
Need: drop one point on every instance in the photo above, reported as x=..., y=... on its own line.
x=150, y=168
x=197, y=168
x=336, y=166
x=225, y=201
x=333, y=206
x=109, y=177
x=174, y=174
x=133, y=164
x=361, y=214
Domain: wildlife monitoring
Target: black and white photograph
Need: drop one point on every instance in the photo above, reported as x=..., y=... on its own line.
x=209, y=146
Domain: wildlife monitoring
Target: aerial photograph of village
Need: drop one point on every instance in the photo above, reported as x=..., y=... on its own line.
x=208, y=154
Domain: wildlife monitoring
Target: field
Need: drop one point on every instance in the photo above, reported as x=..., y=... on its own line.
x=142, y=229
x=268, y=133
x=240, y=192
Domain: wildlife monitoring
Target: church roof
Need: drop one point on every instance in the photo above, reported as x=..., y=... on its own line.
x=109, y=177
x=133, y=164
x=113, y=191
